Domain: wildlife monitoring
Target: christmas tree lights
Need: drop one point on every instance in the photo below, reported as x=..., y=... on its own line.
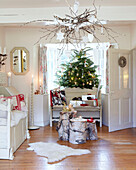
x=79, y=72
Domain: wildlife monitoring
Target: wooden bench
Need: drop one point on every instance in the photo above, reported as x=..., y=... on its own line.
x=84, y=111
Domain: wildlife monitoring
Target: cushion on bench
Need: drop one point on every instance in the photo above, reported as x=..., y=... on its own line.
x=57, y=97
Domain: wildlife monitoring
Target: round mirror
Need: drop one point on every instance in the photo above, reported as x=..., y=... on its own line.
x=19, y=60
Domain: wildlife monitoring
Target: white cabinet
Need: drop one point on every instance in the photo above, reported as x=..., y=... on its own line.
x=41, y=111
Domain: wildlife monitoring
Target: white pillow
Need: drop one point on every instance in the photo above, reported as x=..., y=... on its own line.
x=23, y=106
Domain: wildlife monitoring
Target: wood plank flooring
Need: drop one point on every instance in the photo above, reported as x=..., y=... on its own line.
x=116, y=150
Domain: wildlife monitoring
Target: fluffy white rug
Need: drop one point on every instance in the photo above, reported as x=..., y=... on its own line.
x=54, y=151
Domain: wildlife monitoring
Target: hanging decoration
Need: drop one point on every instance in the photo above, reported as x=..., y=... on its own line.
x=75, y=28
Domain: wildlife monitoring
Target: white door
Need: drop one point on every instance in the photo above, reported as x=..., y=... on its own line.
x=120, y=90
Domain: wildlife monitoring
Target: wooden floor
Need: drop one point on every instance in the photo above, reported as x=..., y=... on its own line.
x=116, y=150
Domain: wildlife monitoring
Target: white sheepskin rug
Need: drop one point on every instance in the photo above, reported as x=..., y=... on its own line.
x=55, y=152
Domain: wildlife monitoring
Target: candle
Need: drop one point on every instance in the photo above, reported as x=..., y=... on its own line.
x=9, y=74
x=40, y=82
x=4, y=51
x=41, y=90
x=80, y=117
x=9, y=78
x=0, y=51
x=32, y=78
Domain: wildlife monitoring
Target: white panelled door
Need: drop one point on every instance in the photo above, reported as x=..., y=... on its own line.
x=120, y=90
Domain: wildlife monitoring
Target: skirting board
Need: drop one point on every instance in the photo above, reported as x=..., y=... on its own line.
x=134, y=124
x=41, y=123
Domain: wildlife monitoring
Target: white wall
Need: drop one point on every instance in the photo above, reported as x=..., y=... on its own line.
x=2, y=43
x=122, y=36
x=20, y=37
x=2, y=37
x=133, y=36
x=27, y=37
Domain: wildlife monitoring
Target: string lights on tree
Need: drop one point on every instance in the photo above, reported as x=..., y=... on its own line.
x=78, y=75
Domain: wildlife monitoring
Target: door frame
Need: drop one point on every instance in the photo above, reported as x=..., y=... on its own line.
x=133, y=51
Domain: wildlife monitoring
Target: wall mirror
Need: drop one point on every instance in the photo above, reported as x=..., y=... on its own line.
x=19, y=60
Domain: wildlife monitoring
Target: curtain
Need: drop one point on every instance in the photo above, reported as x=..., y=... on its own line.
x=99, y=60
x=54, y=60
x=42, y=67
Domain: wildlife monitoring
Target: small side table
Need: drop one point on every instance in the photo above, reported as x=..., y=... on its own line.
x=63, y=124
x=41, y=112
x=91, y=131
x=77, y=132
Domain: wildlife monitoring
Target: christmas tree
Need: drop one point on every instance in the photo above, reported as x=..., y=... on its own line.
x=79, y=72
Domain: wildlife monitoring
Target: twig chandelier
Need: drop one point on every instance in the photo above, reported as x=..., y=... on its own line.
x=75, y=28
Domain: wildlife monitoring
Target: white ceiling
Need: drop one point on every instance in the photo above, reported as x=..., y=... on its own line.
x=12, y=12
x=62, y=3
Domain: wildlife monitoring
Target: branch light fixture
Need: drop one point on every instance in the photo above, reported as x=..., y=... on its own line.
x=75, y=28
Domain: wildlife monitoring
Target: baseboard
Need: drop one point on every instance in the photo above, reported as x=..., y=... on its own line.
x=134, y=124
x=42, y=123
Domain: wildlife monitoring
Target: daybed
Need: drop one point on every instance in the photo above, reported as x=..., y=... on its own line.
x=57, y=99
x=13, y=122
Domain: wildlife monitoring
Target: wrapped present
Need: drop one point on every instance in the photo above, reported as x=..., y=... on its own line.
x=75, y=103
x=88, y=97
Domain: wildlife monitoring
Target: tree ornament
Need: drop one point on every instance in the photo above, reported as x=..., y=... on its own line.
x=60, y=36
x=72, y=78
x=90, y=83
x=77, y=74
x=75, y=83
x=85, y=39
x=90, y=37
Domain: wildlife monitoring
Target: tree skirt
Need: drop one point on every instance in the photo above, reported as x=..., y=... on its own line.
x=55, y=152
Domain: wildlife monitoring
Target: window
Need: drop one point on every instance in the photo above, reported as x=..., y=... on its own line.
x=54, y=60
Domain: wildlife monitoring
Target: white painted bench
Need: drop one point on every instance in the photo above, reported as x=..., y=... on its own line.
x=84, y=111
